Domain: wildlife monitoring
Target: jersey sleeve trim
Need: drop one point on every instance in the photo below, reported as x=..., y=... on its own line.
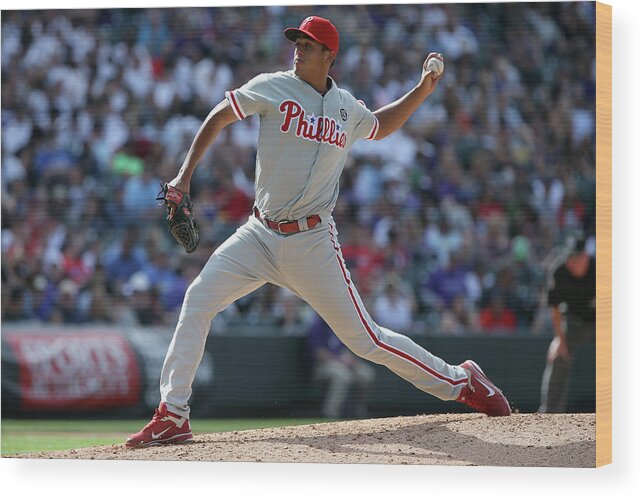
x=374, y=130
x=236, y=107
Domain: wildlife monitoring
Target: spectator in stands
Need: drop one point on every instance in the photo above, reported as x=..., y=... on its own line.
x=447, y=282
x=234, y=204
x=144, y=300
x=497, y=318
x=139, y=195
x=125, y=261
x=442, y=240
x=66, y=310
x=13, y=309
x=459, y=319
x=99, y=305
x=290, y=313
x=394, y=305
x=363, y=256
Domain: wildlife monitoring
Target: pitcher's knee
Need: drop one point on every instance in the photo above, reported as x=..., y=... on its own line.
x=371, y=345
x=363, y=342
x=367, y=349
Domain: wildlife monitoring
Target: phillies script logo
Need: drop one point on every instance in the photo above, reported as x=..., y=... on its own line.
x=317, y=129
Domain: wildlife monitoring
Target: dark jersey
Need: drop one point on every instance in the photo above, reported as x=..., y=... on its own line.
x=578, y=293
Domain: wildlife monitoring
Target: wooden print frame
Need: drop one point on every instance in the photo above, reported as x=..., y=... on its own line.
x=603, y=365
x=604, y=234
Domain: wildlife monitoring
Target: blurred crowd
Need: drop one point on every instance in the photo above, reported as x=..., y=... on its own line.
x=448, y=225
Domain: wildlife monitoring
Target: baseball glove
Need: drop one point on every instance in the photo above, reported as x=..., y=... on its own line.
x=182, y=224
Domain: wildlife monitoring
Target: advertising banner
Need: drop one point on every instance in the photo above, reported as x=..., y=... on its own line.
x=77, y=370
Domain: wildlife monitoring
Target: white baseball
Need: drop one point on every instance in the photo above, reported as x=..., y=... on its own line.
x=435, y=66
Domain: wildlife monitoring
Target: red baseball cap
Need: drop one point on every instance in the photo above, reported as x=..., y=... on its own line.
x=319, y=29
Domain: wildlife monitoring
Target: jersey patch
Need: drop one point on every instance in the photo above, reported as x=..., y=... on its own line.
x=321, y=129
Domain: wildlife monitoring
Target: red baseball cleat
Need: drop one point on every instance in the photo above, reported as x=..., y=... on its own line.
x=481, y=394
x=165, y=428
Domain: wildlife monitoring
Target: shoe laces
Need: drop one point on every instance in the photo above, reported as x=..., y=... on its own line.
x=155, y=419
x=472, y=397
x=470, y=380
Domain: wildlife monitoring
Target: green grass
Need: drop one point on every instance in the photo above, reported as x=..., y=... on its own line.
x=23, y=436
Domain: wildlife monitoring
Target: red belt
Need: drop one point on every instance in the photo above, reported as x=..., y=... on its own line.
x=289, y=226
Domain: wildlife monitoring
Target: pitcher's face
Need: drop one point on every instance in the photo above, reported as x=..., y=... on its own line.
x=310, y=58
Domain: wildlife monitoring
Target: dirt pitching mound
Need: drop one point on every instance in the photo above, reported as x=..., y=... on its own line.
x=566, y=440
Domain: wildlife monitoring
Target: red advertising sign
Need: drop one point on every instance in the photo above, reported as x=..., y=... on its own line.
x=79, y=370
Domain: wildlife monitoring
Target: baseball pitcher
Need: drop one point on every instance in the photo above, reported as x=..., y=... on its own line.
x=307, y=127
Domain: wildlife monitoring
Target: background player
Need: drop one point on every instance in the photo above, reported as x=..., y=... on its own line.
x=572, y=301
x=307, y=125
x=342, y=371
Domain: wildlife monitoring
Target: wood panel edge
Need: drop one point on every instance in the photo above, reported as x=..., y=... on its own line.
x=603, y=234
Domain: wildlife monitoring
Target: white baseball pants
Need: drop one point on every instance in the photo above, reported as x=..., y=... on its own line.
x=311, y=265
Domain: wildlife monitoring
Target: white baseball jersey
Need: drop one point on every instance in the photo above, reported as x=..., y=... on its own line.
x=304, y=139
